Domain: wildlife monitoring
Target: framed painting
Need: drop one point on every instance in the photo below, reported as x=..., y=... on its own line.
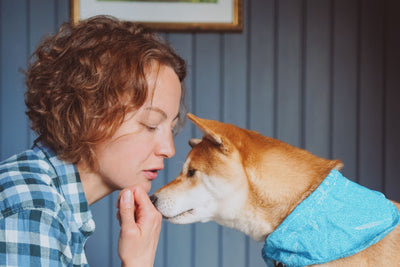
x=167, y=15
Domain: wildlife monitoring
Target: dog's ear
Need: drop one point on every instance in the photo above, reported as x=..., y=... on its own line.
x=206, y=127
x=194, y=141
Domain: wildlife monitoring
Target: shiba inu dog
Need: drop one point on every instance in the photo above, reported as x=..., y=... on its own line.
x=302, y=207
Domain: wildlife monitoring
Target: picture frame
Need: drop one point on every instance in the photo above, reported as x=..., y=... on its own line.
x=167, y=15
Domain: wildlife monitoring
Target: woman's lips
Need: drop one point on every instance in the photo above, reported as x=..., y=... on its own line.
x=151, y=174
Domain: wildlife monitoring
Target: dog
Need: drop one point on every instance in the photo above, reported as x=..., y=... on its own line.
x=307, y=213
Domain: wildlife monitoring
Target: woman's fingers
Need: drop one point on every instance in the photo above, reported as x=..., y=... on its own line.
x=140, y=228
x=126, y=211
x=147, y=216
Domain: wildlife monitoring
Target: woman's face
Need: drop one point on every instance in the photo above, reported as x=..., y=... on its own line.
x=136, y=152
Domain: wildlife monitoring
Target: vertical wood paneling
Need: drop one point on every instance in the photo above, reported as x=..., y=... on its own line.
x=207, y=104
x=2, y=91
x=111, y=252
x=345, y=68
x=39, y=26
x=316, y=75
x=371, y=100
x=180, y=240
x=321, y=74
x=392, y=98
x=235, y=61
x=261, y=27
x=13, y=56
x=289, y=52
x=235, y=79
x=62, y=11
x=99, y=246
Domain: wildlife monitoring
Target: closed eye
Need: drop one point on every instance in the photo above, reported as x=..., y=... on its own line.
x=191, y=172
x=149, y=127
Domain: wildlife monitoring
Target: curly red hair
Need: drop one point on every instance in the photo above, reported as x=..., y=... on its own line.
x=86, y=78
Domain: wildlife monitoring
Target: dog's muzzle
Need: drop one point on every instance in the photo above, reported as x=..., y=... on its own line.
x=154, y=199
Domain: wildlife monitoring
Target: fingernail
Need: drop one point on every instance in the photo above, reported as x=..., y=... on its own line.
x=127, y=197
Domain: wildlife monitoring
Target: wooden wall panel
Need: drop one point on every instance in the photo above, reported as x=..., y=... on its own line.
x=206, y=102
x=345, y=84
x=289, y=68
x=319, y=74
x=99, y=248
x=261, y=66
x=179, y=240
x=234, y=111
x=261, y=27
x=316, y=77
x=112, y=233
x=39, y=27
x=371, y=105
x=391, y=68
x=13, y=56
x=235, y=108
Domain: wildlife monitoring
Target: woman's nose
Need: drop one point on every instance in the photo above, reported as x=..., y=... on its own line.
x=166, y=146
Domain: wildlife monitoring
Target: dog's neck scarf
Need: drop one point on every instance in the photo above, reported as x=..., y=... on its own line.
x=339, y=219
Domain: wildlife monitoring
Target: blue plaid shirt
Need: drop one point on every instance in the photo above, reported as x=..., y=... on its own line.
x=45, y=218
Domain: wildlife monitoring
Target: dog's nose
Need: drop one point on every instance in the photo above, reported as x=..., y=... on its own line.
x=154, y=199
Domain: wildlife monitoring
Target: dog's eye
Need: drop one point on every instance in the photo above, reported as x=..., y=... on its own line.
x=191, y=172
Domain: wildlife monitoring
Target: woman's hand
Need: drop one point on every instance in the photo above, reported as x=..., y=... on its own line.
x=140, y=228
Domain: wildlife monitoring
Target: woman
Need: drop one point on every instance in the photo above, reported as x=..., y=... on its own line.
x=105, y=98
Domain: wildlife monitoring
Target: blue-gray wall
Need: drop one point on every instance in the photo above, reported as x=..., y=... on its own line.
x=320, y=74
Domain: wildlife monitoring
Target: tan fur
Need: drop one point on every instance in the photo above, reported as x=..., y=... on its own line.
x=250, y=182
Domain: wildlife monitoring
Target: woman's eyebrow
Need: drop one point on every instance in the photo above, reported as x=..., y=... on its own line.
x=156, y=109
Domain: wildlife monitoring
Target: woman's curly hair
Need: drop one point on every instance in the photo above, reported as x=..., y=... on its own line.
x=84, y=80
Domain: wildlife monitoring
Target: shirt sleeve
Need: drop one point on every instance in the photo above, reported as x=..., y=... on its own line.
x=34, y=237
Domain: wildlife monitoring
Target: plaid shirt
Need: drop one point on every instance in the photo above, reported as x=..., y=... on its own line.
x=45, y=218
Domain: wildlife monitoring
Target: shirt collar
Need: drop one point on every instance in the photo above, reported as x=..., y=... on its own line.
x=68, y=181
x=340, y=218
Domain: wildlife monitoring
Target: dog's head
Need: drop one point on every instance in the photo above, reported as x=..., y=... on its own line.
x=240, y=179
x=212, y=184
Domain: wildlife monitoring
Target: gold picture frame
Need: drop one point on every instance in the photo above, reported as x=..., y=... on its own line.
x=173, y=16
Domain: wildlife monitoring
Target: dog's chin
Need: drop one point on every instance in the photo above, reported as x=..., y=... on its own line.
x=185, y=217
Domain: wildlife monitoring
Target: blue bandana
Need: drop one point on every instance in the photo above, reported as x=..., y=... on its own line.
x=339, y=219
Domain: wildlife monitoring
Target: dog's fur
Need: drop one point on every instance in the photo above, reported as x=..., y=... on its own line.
x=250, y=182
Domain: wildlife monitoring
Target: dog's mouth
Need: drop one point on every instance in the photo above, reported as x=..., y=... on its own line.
x=182, y=214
